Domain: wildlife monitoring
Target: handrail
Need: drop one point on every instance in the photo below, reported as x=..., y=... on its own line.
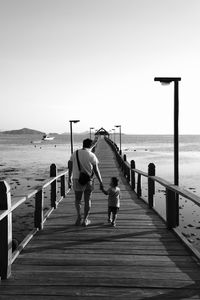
x=139, y=172
x=7, y=206
x=16, y=202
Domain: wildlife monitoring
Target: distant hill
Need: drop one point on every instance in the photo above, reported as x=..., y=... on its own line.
x=53, y=133
x=23, y=131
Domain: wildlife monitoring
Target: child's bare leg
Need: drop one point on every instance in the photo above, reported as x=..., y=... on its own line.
x=114, y=216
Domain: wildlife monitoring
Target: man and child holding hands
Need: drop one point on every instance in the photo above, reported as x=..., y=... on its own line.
x=85, y=161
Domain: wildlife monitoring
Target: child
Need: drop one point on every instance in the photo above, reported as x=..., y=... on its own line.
x=113, y=200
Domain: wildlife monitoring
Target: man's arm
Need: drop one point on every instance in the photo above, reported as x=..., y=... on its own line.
x=97, y=173
x=70, y=165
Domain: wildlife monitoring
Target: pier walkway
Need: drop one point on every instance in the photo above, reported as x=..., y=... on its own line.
x=139, y=259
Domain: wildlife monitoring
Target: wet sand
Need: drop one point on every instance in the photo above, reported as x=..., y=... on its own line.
x=23, y=216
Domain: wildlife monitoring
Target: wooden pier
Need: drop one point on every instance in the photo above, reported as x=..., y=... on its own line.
x=138, y=259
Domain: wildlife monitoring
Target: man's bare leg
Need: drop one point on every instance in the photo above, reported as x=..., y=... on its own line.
x=78, y=196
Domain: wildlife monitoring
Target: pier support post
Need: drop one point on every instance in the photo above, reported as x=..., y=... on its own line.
x=151, y=184
x=5, y=231
x=132, y=175
x=53, y=173
x=38, y=215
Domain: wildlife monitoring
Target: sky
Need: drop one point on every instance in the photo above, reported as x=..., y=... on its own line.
x=95, y=61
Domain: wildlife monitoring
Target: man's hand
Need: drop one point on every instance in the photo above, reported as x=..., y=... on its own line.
x=101, y=186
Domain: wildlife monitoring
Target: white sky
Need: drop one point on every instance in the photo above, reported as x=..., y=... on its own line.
x=95, y=60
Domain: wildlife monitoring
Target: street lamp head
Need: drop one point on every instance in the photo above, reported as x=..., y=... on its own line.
x=117, y=126
x=167, y=80
x=74, y=121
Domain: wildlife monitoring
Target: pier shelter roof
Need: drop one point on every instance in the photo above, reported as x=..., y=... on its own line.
x=102, y=131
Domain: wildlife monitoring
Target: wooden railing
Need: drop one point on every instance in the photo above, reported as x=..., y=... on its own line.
x=7, y=206
x=172, y=191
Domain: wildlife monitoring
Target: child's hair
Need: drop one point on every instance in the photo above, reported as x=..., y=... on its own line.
x=115, y=181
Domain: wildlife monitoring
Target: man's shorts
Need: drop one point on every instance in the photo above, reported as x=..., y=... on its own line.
x=113, y=209
x=79, y=187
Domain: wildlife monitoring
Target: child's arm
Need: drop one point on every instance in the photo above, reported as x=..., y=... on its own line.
x=103, y=190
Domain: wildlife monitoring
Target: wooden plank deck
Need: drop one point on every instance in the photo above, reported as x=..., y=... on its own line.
x=139, y=259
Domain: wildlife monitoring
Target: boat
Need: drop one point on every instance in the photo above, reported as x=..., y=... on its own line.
x=36, y=142
x=46, y=137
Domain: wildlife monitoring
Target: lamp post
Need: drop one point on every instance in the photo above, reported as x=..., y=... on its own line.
x=173, y=207
x=113, y=134
x=120, y=137
x=110, y=131
x=91, y=132
x=71, y=136
x=168, y=80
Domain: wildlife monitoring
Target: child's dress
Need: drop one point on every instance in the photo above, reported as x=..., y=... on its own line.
x=113, y=204
x=114, y=197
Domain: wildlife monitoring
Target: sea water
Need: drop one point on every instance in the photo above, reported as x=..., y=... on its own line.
x=26, y=158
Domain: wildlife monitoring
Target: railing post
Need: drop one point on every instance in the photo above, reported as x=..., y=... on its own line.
x=53, y=173
x=62, y=186
x=126, y=168
x=132, y=175
x=139, y=189
x=39, y=215
x=5, y=232
x=171, y=209
x=151, y=184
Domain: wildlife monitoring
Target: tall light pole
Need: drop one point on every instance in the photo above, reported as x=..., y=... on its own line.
x=168, y=80
x=120, y=137
x=113, y=134
x=173, y=206
x=91, y=132
x=110, y=134
x=71, y=136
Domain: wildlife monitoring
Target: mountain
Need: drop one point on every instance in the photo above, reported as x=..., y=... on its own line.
x=23, y=131
x=53, y=133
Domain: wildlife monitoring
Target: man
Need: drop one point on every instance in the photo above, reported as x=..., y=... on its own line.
x=89, y=164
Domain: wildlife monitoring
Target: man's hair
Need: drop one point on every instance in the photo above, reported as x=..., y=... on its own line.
x=87, y=143
x=115, y=181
